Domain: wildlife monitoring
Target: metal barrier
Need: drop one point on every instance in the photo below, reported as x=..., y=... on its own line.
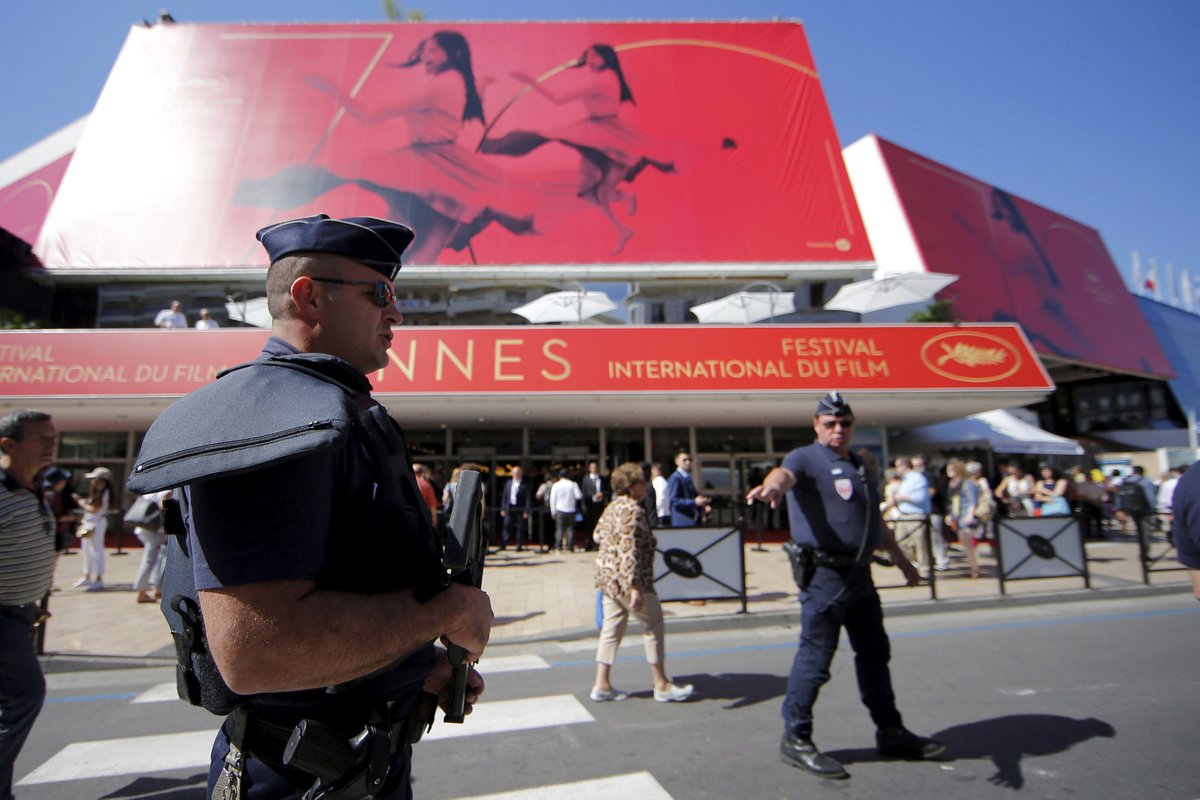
x=1040, y=547
x=1149, y=527
x=701, y=563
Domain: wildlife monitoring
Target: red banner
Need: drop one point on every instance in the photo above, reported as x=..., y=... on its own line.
x=570, y=360
x=501, y=144
x=1020, y=262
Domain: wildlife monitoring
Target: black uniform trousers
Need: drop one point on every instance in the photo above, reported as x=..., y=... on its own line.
x=837, y=598
x=22, y=686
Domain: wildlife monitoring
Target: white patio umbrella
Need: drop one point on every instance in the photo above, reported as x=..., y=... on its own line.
x=252, y=312
x=745, y=307
x=899, y=289
x=567, y=306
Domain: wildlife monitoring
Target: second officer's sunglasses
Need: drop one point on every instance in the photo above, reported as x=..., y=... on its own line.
x=382, y=294
x=845, y=422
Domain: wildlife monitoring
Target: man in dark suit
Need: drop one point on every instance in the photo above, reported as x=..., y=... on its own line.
x=594, y=500
x=515, y=504
x=687, y=507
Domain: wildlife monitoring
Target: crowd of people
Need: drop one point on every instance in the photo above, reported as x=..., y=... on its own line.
x=959, y=505
x=557, y=509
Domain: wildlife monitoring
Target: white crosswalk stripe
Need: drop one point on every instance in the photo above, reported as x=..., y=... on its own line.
x=124, y=757
x=491, y=666
x=636, y=784
x=160, y=693
x=515, y=715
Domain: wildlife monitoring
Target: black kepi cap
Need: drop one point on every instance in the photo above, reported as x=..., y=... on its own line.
x=834, y=403
x=377, y=243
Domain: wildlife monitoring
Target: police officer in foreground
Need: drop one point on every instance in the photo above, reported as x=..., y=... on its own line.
x=833, y=505
x=316, y=574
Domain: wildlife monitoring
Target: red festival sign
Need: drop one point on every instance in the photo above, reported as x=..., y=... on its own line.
x=565, y=360
x=501, y=144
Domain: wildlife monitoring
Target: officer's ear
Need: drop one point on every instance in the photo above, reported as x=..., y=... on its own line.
x=303, y=295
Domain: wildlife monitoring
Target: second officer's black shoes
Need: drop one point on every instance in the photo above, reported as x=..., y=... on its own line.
x=902, y=743
x=799, y=751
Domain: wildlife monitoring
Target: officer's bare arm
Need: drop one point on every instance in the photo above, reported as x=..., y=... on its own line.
x=778, y=482
x=286, y=635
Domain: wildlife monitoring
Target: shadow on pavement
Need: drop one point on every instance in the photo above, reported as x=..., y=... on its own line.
x=1005, y=741
x=742, y=689
x=498, y=621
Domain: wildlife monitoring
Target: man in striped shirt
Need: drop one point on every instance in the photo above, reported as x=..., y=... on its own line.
x=28, y=442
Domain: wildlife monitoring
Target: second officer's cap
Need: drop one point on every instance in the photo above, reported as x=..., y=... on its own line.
x=378, y=243
x=834, y=403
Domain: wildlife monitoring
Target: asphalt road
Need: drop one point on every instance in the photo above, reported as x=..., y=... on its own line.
x=1092, y=699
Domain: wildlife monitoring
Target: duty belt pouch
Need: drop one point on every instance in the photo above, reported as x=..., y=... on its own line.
x=802, y=562
x=353, y=768
x=197, y=679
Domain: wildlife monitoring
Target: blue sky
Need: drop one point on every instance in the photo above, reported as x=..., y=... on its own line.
x=1088, y=107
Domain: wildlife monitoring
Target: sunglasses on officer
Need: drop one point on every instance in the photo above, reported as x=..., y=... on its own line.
x=382, y=294
x=845, y=422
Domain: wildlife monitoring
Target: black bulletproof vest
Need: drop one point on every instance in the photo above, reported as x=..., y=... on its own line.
x=261, y=414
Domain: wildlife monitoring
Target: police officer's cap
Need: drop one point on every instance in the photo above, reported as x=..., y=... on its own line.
x=377, y=243
x=834, y=403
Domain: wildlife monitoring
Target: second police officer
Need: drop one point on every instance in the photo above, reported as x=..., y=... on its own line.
x=833, y=506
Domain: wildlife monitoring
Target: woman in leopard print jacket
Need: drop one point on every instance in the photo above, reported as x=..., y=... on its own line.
x=624, y=574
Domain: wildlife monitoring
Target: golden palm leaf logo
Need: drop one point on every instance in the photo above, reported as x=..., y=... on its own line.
x=970, y=356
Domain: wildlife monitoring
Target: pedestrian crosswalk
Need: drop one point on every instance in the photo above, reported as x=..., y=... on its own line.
x=189, y=750
x=635, y=784
x=127, y=756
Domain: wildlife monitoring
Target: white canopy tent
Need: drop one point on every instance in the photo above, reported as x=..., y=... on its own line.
x=999, y=431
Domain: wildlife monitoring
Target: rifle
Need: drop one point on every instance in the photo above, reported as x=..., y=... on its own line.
x=462, y=558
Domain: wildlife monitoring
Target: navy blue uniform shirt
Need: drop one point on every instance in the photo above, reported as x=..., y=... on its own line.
x=1186, y=505
x=833, y=502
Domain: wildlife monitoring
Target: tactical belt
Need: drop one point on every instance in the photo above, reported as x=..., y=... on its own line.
x=832, y=558
x=344, y=767
x=266, y=736
x=266, y=740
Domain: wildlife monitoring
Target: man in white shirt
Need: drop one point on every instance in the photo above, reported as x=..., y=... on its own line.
x=206, y=323
x=662, y=500
x=565, y=495
x=171, y=318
